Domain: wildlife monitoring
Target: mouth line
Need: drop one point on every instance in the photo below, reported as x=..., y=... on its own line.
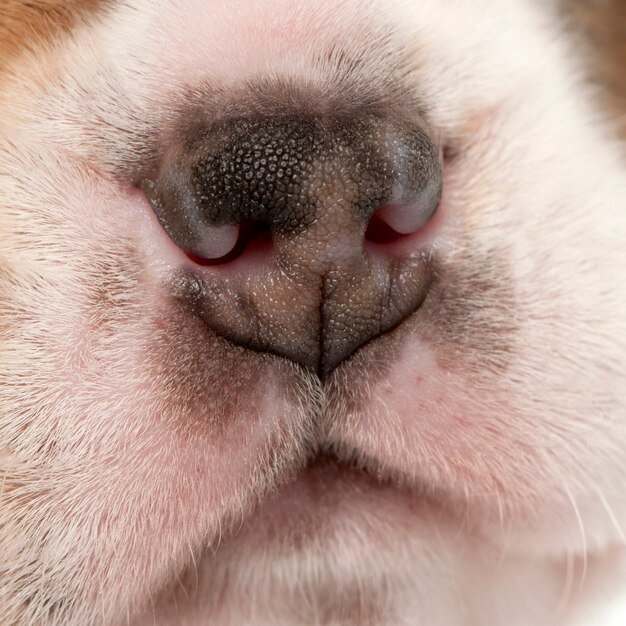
x=333, y=486
x=334, y=461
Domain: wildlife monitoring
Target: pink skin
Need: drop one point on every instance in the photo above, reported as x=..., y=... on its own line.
x=155, y=484
x=163, y=482
x=401, y=435
x=418, y=422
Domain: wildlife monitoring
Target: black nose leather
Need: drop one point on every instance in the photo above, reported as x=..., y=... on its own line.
x=316, y=289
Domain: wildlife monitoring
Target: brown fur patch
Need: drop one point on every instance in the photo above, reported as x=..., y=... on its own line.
x=113, y=279
x=27, y=24
x=471, y=315
x=602, y=26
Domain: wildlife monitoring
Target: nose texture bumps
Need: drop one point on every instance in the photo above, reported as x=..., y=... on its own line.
x=319, y=293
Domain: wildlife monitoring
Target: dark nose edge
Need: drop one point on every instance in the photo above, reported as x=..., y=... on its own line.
x=267, y=169
x=275, y=170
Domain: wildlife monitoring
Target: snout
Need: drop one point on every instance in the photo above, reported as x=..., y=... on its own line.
x=292, y=228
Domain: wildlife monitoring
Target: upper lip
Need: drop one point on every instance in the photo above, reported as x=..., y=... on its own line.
x=304, y=327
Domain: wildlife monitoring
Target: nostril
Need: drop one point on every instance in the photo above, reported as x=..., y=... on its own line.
x=379, y=231
x=402, y=217
x=233, y=241
x=393, y=222
x=216, y=242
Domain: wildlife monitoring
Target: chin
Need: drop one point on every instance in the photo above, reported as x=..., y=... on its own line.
x=312, y=313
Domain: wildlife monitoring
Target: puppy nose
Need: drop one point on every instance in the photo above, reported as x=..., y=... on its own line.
x=294, y=228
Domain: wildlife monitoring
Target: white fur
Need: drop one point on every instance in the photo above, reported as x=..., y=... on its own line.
x=112, y=490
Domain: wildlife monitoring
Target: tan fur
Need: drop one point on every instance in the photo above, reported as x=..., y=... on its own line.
x=602, y=26
x=26, y=24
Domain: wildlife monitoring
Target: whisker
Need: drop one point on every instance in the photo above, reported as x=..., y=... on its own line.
x=583, y=536
x=568, y=585
x=610, y=513
x=195, y=569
